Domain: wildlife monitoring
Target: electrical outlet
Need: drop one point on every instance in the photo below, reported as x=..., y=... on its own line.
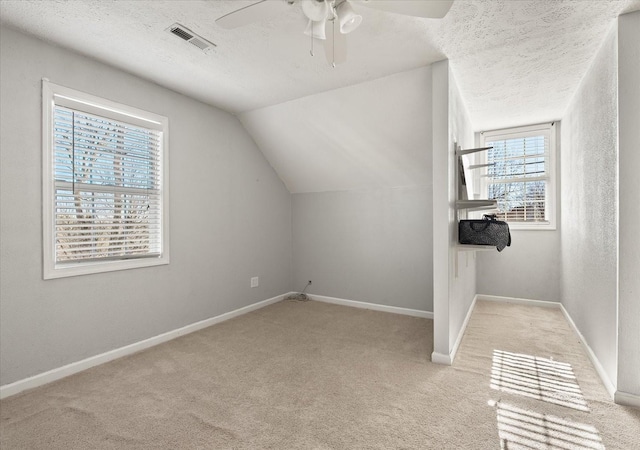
x=255, y=281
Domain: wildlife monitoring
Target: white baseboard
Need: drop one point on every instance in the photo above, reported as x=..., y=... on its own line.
x=373, y=306
x=606, y=381
x=456, y=344
x=518, y=301
x=70, y=369
x=608, y=384
x=441, y=358
x=624, y=398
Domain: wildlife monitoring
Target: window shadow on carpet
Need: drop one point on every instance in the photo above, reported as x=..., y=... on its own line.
x=522, y=429
x=540, y=378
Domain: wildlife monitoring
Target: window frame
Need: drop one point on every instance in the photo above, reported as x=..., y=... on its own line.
x=54, y=94
x=551, y=199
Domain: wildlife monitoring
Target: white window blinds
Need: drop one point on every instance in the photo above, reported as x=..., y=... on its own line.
x=107, y=188
x=518, y=175
x=104, y=185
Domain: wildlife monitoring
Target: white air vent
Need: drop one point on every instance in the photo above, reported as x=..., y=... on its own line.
x=184, y=33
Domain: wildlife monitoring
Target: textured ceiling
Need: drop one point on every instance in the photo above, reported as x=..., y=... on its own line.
x=362, y=124
x=520, y=62
x=514, y=60
x=254, y=66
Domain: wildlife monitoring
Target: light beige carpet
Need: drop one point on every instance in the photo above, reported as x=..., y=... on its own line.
x=314, y=375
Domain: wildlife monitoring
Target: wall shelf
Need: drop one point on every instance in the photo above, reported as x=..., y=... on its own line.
x=475, y=248
x=463, y=205
x=476, y=204
x=460, y=152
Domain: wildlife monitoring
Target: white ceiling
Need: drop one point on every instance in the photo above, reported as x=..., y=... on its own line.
x=502, y=52
x=515, y=62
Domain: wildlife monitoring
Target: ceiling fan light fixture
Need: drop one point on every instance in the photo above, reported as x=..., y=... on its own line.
x=349, y=20
x=315, y=10
x=316, y=29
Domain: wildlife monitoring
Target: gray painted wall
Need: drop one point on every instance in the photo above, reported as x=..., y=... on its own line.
x=589, y=206
x=441, y=210
x=530, y=268
x=462, y=265
x=454, y=273
x=368, y=236
x=230, y=220
x=371, y=245
x=629, y=206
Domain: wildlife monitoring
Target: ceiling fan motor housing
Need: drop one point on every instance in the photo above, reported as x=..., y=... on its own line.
x=315, y=10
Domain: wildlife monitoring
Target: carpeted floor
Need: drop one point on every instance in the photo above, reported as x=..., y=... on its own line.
x=311, y=375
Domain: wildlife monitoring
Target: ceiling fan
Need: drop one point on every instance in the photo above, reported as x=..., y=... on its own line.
x=331, y=20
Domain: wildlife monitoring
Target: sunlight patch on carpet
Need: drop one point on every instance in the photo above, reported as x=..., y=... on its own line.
x=522, y=429
x=540, y=378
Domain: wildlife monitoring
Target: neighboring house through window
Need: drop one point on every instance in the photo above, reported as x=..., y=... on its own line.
x=105, y=196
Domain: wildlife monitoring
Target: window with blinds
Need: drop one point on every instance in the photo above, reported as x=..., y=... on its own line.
x=520, y=174
x=106, y=188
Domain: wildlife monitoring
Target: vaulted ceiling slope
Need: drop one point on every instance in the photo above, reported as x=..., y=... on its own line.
x=370, y=135
x=323, y=128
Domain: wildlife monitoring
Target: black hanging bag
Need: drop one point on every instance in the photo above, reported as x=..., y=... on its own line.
x=485, y=231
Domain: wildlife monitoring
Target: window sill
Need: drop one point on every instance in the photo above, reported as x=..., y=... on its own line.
x=531, y=227
x=76, y=269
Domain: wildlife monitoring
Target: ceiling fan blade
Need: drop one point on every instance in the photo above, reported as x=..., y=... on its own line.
x=428, y=9
x=261, y=10
x=335, y=45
